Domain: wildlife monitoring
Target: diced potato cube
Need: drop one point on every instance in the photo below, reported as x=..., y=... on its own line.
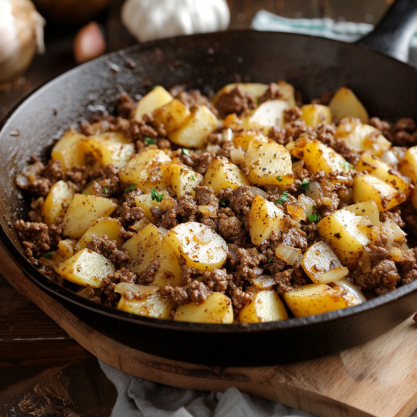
x=147, y=170
x=243, y=139
x=315, y=114
x=109, y=148
x=318, y=299
x=147, y=245
x=68, y=150
x=156, y=98
x=201, y=247
x=66, y=249
x=265, y=306
x=362, y=137
x=268, y=164
x=86, y=268
x=194, y=131
x=317, y=156
x=222, y=174
x=102, y=227
x=146, y=202
x=256, y=89
x=264, y=218
x=384, y=172
x=322, y=265
x=172, y=115
x=408, y=166
x=341, y=232
x=58, y=195
x=184, y=179
x=217, y=308
x=369, y=209
x=345, y=104
x=287, y=93
x=152, y=304
x=368, y=187
x=89, y=188
x=267, y=115
x=82, y=212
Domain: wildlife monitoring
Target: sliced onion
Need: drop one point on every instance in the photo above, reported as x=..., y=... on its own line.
x=307, y=203
x=141, y=224
x=263, y=282
x=296, y=212
x=366, y=260
x=390, y=158
x=405, y=246
x=258, y=191
x=212, y=148
x=352, y=290
x=162, y=231
x=204, y=237
x=297, y=165
x=314, y=192
x=237, y=156
x=207, y=210
x=287, y=253
x=326, y=201
x=334, y=274
x=397, y=233
x=141, y=290
x=227, y=135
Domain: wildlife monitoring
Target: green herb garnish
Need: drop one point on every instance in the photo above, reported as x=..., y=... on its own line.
x=49, y=255
x=283, y=198
x=153, y=88
x=223, y=202
x=314, y=216
x=149, y=141
x=105, y=190
x=305, y=185
x=279, y=178
x=271, y=260
x=192, y=177
x=130, y=189
x=86, y=194
x=345, y=165
x=157, y=196
x=186, y=152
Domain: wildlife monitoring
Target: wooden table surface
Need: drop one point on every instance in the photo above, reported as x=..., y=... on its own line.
x=39, y=363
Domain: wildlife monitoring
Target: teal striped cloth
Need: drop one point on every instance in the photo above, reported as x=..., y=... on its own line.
x=326, y=28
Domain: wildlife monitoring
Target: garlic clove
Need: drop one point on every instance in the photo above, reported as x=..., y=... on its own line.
x=89, y=43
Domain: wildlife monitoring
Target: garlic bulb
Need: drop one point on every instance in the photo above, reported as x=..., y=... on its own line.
x=155, y=19
x=21, y=34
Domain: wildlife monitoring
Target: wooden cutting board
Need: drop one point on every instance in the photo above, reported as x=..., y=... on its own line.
x=377, y=379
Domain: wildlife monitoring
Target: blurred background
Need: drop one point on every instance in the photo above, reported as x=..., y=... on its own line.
x=70, y=37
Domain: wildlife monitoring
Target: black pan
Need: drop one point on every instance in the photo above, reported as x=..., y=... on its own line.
x=387, y=88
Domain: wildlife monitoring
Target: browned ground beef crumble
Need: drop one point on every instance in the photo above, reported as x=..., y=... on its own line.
x=245, y=261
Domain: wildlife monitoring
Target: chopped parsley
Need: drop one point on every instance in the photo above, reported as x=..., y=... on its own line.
x=186, y=152
x=345, y=165
x=279, y=178
x=314, y=216
x=157, y=196
x=105, y=190
x=192, y=177
x=223, y=202
x=49, y=255
x=271, y=260
x=86, y=194
x=130, y=189
x=283, y=198
x=305, y=185
x=153, y=88
x=149, y=141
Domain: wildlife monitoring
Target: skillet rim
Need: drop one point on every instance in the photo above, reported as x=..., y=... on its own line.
x=51, y=287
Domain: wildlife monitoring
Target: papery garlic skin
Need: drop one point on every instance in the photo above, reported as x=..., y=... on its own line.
x=21, y=35
x=155, y=19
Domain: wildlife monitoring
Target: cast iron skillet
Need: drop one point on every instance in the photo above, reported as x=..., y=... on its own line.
x=387, y=88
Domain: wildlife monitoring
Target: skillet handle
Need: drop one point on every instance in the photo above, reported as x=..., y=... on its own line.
x=393, y=34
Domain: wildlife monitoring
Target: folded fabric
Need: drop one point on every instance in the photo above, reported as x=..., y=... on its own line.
x=326, y=28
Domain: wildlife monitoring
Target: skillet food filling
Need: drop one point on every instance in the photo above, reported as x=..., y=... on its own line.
x=250, y=207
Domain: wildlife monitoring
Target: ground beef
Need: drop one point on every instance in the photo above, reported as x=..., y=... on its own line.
x=236, y=101
x=245, y=262
x=291, y=115
x=186, y=209
x=199, y=163
x=35, y=237
x=108, y=248
x=148, y=275
x=165, y=216
x=290, y=278
x=295, y=238
x=324, y=98
x=239, y=297
x=239, y=200
x=194, y=292
x=273, y=92
x=204, y=196
x=127, y=212
x=229, y=226
x=279, y=135
x=125, y=106
x=195, y=99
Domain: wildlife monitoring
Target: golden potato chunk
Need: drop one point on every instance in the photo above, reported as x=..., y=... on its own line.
x=66, y=249
x=322, y=265
x=318, y=299
x=264, y=218
x=148, y=244
x=102, y=227
x=368, y=209
x=408, y=166
x=267, y=115
x=146, y=202
x=201, y=247
x=362, y=137
x=150, y=304
x=256, y=89
x=268, y=164
x=82, y=212
x=147, y=170
x=156, y=98
x=68, y=150
x=316, y=114
x=217, y=308
x=194, y=131
x=368, y=187
x=184, y=179
x=384, y=172
x=341, y=232
x=317, y=156
x=345, y=104
x=222, y=174
x=243, y=139
x=265, y=306
x=58, y=195
x=172, y=115
x=86, y=268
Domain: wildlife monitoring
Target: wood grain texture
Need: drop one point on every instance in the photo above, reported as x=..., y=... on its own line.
x=377, y=379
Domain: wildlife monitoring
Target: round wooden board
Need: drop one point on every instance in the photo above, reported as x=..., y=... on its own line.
x=376, y=379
